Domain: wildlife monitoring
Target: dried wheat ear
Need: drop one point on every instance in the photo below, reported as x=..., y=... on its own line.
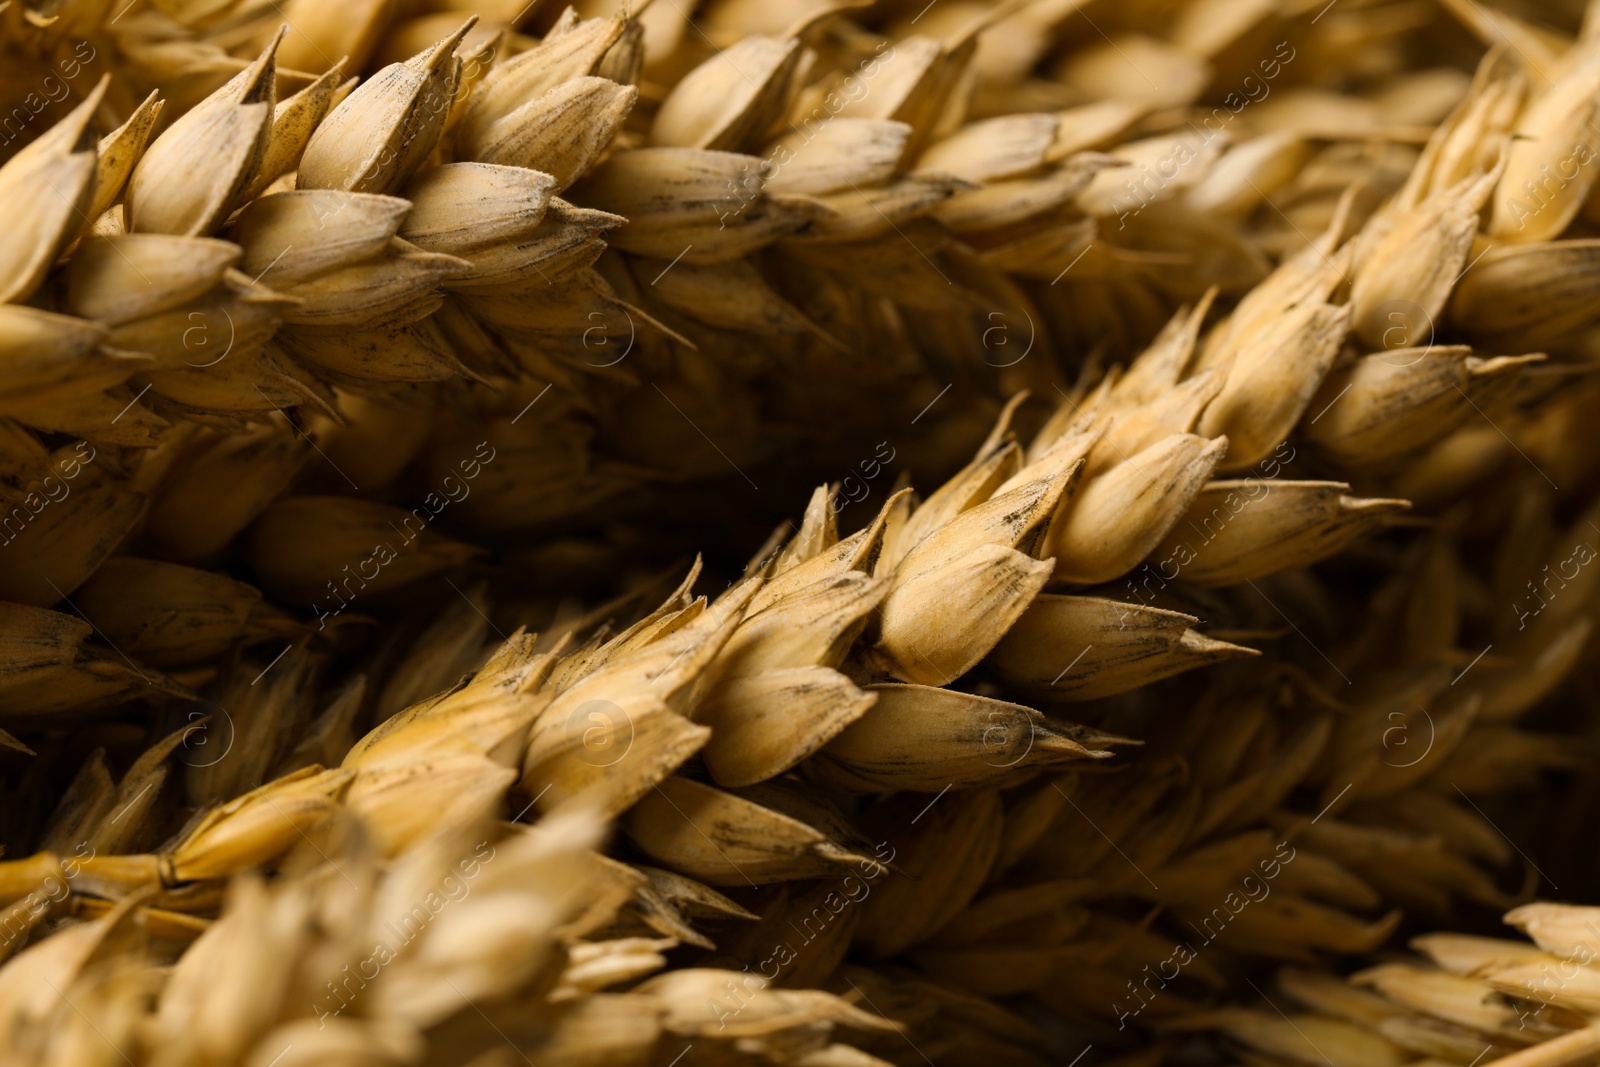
x=363, y=366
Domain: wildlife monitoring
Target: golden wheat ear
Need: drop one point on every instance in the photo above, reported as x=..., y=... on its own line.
x=363, y=366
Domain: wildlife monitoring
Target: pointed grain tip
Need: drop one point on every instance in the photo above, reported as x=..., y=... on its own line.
x=439, y=54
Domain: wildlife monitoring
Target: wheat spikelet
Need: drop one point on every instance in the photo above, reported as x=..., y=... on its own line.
x=1521, y=1002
